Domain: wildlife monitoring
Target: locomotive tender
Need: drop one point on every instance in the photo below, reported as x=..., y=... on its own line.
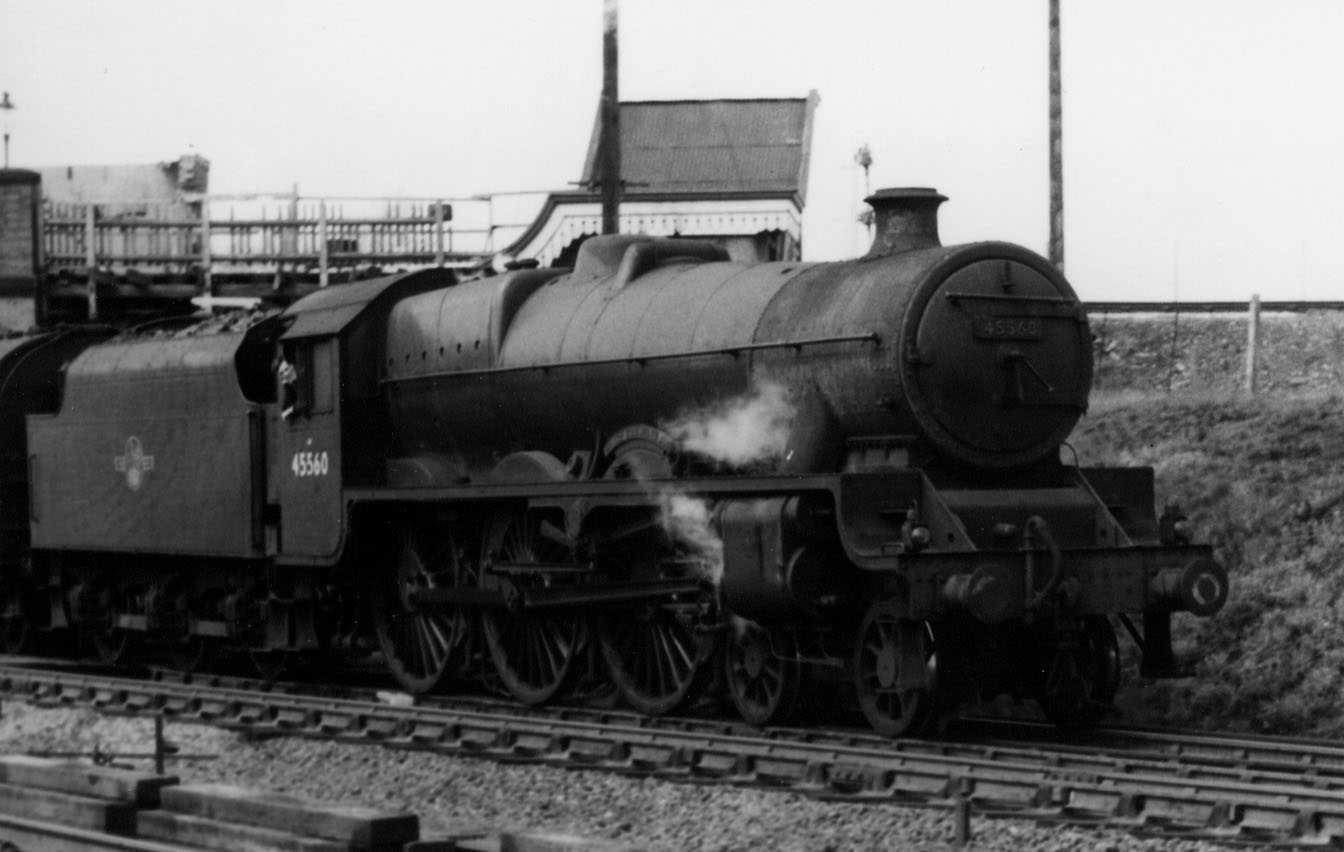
x=495, y=476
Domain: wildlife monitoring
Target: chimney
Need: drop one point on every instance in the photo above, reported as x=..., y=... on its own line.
x=904, y=218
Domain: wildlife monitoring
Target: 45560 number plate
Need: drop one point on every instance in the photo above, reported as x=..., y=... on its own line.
x=1006, y=328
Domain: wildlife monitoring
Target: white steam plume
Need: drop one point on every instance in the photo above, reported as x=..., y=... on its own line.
x=687, y=521
x=751, y=428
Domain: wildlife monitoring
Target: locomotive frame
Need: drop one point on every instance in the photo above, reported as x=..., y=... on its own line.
x=314, y=482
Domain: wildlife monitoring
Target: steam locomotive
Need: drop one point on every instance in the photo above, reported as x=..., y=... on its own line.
x=653, y=471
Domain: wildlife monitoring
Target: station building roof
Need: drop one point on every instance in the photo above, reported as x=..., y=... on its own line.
x=749, y=146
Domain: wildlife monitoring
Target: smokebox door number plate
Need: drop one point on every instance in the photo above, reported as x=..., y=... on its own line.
x=1005, y=328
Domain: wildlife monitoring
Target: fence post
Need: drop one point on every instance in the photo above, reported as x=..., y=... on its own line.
x=1252, y=342
x=1175, y=337
x=438, y=233
x=322, y=243
x=91, y=258
x=207, y=275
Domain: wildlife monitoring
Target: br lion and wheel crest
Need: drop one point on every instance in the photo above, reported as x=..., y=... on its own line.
x=134, y=463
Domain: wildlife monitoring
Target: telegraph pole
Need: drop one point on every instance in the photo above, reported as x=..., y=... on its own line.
x=1056, y=146
x=609, y=144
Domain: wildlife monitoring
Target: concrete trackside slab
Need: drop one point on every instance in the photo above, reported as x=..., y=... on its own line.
x=212, y=834
x=66, y=809
x=351, y=824
x=81, y=779
x=31, y=835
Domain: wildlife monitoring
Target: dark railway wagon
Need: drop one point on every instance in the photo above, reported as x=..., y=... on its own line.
x=654, y=471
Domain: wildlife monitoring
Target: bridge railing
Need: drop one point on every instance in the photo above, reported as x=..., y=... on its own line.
x=222, y=232
x=197, y=242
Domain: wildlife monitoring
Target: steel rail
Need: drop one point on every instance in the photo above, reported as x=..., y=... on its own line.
x=1197, y=750
x=1170, y=795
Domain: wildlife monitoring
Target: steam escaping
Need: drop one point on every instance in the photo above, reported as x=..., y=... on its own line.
x=745, y=430
x=751, y=429
x=688, y=523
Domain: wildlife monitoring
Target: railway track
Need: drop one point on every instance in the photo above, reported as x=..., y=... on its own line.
x=1161, y=783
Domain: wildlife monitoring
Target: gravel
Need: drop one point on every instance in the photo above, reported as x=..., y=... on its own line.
x=450, y=793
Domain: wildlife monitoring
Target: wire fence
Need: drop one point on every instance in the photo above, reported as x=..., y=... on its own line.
x=1250, y=347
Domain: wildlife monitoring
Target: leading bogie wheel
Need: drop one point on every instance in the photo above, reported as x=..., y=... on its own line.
x=1080, y=681
x=761, y=669
x=895, y=672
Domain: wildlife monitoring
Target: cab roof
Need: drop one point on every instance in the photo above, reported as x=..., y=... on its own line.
x=332, y=309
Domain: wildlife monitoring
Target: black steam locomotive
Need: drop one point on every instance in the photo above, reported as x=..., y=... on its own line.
x=653, y=471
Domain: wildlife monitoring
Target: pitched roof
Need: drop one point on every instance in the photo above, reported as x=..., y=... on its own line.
x=757, y=146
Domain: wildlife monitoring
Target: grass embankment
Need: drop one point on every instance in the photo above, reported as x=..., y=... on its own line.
x=1257, y=478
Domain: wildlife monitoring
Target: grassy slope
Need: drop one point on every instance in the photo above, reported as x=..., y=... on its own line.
x=1273, y=659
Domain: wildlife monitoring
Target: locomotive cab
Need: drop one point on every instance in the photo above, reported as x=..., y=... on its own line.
x=329, y=430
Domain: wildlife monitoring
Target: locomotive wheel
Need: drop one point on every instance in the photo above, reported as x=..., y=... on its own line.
x=1081, y=683
x=534, y=655
x=655, y=659
x=592, y=686
x=895, y=672
x=761, y=671
x=422, y=647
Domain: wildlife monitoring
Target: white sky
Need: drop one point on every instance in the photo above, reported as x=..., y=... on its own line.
x=1203, y=139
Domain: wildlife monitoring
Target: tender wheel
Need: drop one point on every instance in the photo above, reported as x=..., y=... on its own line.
x=192, y=654
x=270, y=665
x=15, y=629
x=186, y=652
x=111, y=644
x=534, y=655
x=761, y=672
x=654, y=658
x=422, y=646
x=1080, y=682
x=895, y=672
